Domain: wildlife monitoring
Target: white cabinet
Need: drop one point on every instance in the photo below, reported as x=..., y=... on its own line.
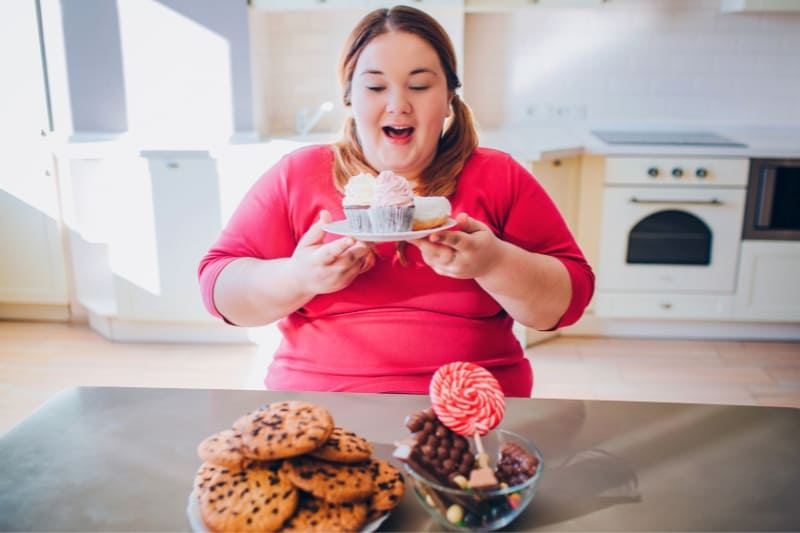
x=303, y=5
x=141, y=221
x=492, y=6
x=33, y=274
x=32, y=267
x=767, y=289
x=172, y=216
x=759, y=6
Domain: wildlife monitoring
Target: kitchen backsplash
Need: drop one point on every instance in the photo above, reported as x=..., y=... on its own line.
x=623, y=61
x=629, y=60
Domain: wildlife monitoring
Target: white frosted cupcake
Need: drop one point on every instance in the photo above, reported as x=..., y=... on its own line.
x=430, y=212
x=392, y=208
x=357, y=200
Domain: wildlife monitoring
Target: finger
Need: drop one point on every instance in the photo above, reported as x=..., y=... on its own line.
x=367, y=263
x=332, y=251
x=315, y=233
x=468, y=224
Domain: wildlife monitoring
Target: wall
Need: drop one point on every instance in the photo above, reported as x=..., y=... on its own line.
x=624, y=60
x=295, y=55
x=634, y=60
x=148, y=66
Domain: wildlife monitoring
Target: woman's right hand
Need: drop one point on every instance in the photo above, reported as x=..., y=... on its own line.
x=329, y=267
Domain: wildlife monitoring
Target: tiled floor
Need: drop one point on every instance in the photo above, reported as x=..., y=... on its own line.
x=39, y=359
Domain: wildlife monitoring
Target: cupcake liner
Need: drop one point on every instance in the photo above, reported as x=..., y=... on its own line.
x=391, y=219
x=358, y=218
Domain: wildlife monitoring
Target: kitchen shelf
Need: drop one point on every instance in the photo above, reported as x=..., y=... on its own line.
x=760, y=6
x=319, y=5
x=499, y=6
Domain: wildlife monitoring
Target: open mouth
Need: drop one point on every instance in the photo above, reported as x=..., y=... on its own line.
x=398, y=133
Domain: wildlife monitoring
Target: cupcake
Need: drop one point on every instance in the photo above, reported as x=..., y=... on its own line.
x=392, y=207
x=430, y=212
x=356, y=201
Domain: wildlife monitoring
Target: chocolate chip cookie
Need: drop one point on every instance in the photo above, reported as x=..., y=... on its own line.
x=285, y=429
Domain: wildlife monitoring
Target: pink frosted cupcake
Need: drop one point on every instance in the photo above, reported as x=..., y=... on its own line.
x=392, y=207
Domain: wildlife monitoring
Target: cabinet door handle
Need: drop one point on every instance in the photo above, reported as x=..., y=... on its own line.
x=713, y=201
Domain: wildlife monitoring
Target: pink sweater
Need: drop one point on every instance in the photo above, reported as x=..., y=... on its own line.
x=396, y=324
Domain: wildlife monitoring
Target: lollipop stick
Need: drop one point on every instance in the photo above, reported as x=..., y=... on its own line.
x=481, y=477
x=483, y=458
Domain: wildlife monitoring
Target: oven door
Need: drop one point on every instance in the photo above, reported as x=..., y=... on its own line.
x=658, y=239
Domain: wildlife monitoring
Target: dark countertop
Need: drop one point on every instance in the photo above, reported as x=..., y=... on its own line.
x=123, y=459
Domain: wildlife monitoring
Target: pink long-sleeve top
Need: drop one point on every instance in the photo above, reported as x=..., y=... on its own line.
x=396, y=323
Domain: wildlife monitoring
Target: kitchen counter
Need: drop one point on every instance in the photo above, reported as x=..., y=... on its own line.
x=123, y=459
x=529, y=142
x=536, y=142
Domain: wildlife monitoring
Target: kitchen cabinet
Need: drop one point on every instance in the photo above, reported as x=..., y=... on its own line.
x=33, y=272
x=492, y=6
x=141, y=221
x=767, y=287
x=156, y=253
x=33, y=275
x=575, y=184
x=302, y=5
x=561, y=179
x=759, y=6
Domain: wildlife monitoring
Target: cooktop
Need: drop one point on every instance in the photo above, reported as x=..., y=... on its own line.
x=679, y=138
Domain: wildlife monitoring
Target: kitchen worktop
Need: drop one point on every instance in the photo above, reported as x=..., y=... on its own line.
x=533, y=142
x=123, y=459
x=526, y=142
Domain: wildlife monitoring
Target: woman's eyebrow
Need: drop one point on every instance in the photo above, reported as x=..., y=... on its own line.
x=413, y=72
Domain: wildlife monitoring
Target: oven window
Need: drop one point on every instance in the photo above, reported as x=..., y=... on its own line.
x=785, y=214
x=670, y=237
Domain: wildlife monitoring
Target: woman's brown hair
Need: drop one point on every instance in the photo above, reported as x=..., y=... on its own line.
x=459, y=138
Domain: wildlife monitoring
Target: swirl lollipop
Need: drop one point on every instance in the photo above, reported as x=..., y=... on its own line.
x=468, y=399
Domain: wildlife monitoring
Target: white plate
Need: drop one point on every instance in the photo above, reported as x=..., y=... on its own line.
x=342, y=227
x=193, y=513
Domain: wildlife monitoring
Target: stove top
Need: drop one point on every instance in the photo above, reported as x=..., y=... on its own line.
x=669, y=138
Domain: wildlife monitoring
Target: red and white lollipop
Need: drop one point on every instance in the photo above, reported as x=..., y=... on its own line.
x=468, y=399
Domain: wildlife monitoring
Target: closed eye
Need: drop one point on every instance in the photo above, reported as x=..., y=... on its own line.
x=375, y=88
x=419, y=87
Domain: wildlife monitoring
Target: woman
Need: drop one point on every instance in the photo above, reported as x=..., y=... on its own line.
x=367, y=318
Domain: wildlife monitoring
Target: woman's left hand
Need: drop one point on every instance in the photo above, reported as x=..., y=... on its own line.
x=464, y=254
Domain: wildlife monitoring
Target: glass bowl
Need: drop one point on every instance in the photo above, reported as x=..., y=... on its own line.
x=479, y=510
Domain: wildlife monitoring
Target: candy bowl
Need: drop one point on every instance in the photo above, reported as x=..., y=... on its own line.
x=485, y=509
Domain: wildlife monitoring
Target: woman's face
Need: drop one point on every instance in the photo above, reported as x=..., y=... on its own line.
x=399, y=101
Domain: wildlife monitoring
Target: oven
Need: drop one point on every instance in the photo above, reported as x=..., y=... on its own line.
x=773, y=200
x=670, y=236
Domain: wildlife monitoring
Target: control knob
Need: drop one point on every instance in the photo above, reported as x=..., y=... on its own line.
x=701, y=172
x=677, y=172
x=652, y=172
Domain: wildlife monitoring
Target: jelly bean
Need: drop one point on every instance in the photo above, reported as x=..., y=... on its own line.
x=455, y=514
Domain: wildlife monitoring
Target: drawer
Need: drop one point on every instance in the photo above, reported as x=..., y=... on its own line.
x=611, y=304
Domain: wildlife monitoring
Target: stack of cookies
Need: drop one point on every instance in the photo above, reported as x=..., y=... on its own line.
x=287, y=467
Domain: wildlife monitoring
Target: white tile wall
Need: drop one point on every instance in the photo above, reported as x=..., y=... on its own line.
x=634, y=61
x=623, y=61
x=295, y=59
